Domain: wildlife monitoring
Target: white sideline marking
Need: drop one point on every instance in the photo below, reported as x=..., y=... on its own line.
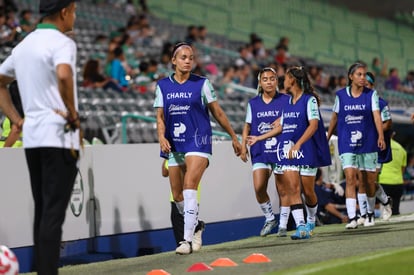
x=409, y=217
x=346, y=261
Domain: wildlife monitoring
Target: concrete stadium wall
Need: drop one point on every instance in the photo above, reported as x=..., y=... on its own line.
x=122, y=191
x=120, y=203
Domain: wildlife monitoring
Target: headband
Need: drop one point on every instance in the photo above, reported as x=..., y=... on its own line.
x=180, y=46
x=267, y=69
x=370, y=80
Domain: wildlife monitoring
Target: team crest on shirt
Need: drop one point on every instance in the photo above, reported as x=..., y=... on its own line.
x=355, y=136
x=179, y=128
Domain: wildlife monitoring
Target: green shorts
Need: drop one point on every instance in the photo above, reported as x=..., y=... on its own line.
x=262, y=165
x=365, y=161
x=303, y=170
x=177, y=159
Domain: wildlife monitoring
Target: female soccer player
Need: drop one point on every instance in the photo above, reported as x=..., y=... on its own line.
x=183, y=101
x=358, y=121
x=304, y=148
x=262, y=111
x=383, y=157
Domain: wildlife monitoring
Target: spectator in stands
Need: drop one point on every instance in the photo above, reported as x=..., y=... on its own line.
x=164, y=66
x=130, y=8
x=331, y=201
x=281, y=56
x=8, y=5
x=357, y=119
x=115, y=39
x=391, y=176
x=12, y=20
x=229, y=75
x=245, y=56
x=101, y=39
x=259, y=52
x=133, y=28
x=341, y=82
x=202, y=35
x=380, y=70
x=26, y=21
x=244, y=76
x=146, y=76
x=408, y=83
x=192, y=34
x=393, y=81
x=183, y=102
x=94, y=78
x=284, y=40
x=8, y=34
x=263, y=153
x=209, y=67
x=143, y=6
x=318, y=79
x=118, y=72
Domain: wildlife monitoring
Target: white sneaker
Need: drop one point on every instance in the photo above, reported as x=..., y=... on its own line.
x=352, y=224
x=387, y=210
x=361, y=220
x=197, y=240
x=282, y=232
x=369, y=221
x=184, y=248
x=268, y=227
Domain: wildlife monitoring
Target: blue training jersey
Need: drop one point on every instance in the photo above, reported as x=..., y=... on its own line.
x=315, y=151
x=356, y=129
x=260, y=118
x=385, y=156
x=186, y=114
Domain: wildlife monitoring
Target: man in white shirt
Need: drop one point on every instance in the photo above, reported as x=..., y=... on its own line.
x=44, y=66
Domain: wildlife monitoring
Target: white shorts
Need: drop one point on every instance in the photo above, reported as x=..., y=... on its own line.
x=261, y=165
x=303, y=170
x=177, y=159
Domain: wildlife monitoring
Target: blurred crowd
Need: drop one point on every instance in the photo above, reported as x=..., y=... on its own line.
x=126, y=67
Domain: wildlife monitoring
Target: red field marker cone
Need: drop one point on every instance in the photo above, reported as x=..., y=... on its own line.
x=158, y=272
x=223, y=262
x=256, y=258
x=199, y=267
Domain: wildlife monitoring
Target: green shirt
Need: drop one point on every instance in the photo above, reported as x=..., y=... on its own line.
x=392, y=172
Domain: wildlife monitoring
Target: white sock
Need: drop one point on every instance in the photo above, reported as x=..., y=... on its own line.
x=311, y=213
x=180, y=207
x=190, y=213
x=351, y=208
x=284, y=216
x=371, y=205
x=267, y=210
x=362, y=202
x=298, y=215
x=381, y=195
